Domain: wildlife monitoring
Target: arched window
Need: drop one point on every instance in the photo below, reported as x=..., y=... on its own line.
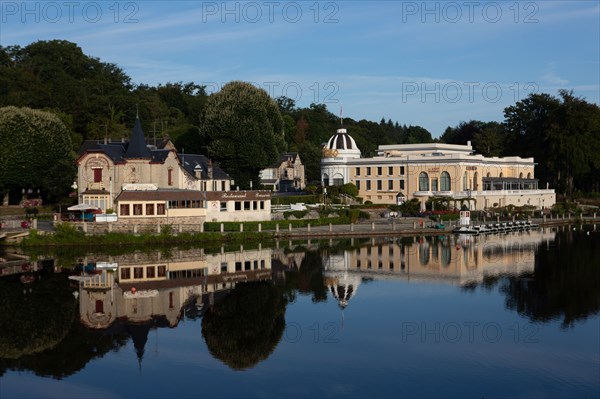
x=529, y=175
x=501, y=174
x=325, y=179
x=423, y=182
x=521, y=175
x=488, y=174
x=445, y=181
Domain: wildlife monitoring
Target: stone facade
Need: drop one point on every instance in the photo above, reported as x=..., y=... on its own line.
x=452, y=172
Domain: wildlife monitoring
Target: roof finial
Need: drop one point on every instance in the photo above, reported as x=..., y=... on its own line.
x=341, y=117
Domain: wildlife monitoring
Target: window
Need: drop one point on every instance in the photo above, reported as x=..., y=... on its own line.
x=160, y=209
x=445, y=181
x=247, y=265
x=223, y=267
x=465, y=181
x=247, y=205
x=137, y=209
x=358, y=184
x=149, y=209
x=138, y=272
x=368, y=185
x=238, y=206
x=379, y=185
x=390, y=185
x=238, y=266
x=124, y=209
x=150, y=272
x=162, y=271
x=402, y=170
x=401, y=184
x=368, y=171
x=262, y=204
x=423, y=182
x=390, y=170
x=223, y=206
x=357, y=171
x=170, y=177
x=434, y=184
x=379, y=170
x=223, y=185
x=97, y=175
x=125, y=273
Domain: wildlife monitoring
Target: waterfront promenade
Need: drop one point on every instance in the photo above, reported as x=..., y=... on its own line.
x=374, y=227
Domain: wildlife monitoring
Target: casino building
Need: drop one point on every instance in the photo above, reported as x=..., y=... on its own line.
x=446, y=172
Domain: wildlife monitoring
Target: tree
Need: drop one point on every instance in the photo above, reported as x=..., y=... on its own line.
x=244, y=129
x=562, y=134
x=246, y=326
x=36, y=152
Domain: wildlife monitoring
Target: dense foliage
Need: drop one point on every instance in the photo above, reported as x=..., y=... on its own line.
x=35, y=153
x=243, y=129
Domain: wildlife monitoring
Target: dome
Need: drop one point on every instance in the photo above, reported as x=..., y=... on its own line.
x=341, y=140
x=341, y=144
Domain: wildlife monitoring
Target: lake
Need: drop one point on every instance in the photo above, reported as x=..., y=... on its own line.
x=503, y=315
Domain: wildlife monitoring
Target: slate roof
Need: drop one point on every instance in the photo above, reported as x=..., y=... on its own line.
x=190, y=161
x=284, y=157
x=137, y=148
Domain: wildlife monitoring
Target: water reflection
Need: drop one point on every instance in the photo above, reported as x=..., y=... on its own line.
x=241, y=296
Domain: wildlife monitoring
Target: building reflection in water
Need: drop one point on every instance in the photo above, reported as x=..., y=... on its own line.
x=140, y=287
x=462, y=260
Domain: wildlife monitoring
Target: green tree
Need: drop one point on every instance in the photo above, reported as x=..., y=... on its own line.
x=36, y=152
x=562, y=134
x=244, y=129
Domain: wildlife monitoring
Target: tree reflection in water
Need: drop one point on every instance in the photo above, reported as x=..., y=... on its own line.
x=246, y=326
x=565, y=283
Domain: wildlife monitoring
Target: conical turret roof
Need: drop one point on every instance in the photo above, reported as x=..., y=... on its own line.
x=137, y=143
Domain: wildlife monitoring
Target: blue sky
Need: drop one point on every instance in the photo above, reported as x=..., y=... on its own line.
x=432, y=63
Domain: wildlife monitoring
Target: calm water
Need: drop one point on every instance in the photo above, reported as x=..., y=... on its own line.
x=499, y=316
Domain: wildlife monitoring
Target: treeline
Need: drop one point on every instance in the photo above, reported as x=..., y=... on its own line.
x=561, y=133
x=97, y=100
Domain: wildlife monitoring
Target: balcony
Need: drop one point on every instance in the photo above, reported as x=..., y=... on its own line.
x=96, y=186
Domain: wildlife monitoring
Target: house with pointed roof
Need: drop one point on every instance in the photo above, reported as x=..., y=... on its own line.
x=286, y=174
x=142, y=182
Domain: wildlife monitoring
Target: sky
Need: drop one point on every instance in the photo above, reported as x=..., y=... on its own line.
x=427, y=63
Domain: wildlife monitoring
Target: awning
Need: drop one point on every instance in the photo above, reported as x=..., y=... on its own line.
x=82, y=207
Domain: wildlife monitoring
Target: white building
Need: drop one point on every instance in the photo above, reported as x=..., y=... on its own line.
x=401, y=172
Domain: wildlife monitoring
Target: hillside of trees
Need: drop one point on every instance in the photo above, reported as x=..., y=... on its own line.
x=96, y=99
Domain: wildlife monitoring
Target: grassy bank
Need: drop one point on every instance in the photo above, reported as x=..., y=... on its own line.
x=68, y=235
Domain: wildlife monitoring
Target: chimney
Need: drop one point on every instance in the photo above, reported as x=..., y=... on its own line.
x=210, y=170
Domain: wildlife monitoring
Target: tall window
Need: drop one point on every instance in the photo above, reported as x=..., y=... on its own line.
x=423, y=182
x=445, y=181
x=378, y=185
x=358, y=184
x=97, y=175
x=379, y=171
x=357, y=171
x=390, y=185
x=368, y=184
x=160, y=209
x=465, y=182
x=149, y=209
x=368, y=171
x=170, y=177
x=390, y=170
